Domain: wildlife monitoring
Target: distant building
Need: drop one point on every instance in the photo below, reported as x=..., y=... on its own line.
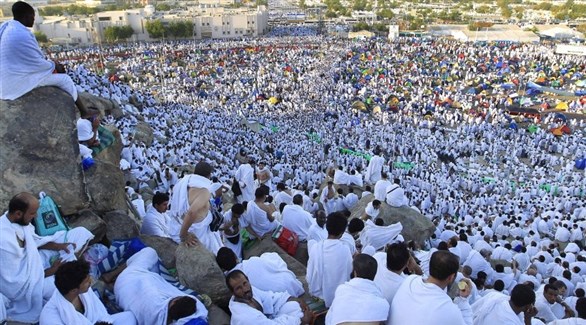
x=208, y=23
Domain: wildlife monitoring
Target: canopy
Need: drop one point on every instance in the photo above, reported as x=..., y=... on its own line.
x=359, y=105
x=562, y=105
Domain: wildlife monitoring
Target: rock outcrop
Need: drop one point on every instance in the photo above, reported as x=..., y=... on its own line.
x=105, y=184
x=143, y=133
x=165, y=248
x=217, y=316
x=268, y=245
x=105, y=106
x=415, y=225
x=92, y=222
x=120, y=226
x=39, y=149
x=198, y=270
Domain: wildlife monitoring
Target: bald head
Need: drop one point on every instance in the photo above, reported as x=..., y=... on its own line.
x=22, y=208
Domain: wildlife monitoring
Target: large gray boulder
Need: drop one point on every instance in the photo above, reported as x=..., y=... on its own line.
x=105, y=184
x=416, y=226
x=217, y=316
x=165, y=248
x=198, y=270
x=105, y=106
x=90, y=221
x=39, y=149
x=143, y=133
x=120, y=226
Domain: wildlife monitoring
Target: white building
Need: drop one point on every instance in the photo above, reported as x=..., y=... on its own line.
x=208, y=23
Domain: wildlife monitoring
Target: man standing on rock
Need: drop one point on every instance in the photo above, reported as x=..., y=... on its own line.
x=26, y=275
x=23, y=66
x=190, y=210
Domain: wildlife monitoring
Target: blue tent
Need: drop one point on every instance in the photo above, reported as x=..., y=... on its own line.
x=532, y=92
x=560, y=116
x=581, y=164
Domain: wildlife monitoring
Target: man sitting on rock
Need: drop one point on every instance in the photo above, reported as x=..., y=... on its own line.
x=25, y=255
x=190, y=210
x=250, y=305
x=156, y=220
x=141, y=290
x=396, y=195
x=23, y=66
x=267, y=272
x=74, y=302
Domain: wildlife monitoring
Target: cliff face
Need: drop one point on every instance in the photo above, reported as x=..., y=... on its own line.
x=39, y=152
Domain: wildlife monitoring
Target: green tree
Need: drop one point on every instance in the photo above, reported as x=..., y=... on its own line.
x=162, y=7
x=360, y=26
x=386, y=14
x=484, y=9
x=41, y=37
x=302, y=4
x=180, y=29
x=155, y=28
x=117, y=33
x=331, y=14
x=381, y=27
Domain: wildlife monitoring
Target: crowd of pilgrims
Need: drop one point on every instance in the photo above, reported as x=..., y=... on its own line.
x=310, y=109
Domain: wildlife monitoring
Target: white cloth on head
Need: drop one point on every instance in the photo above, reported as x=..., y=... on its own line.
x=21, y=274
x=141, y=279
x=379, y=236
x=329, y=265
x=269, y=272
x=59, y=310
x=276, y=310
x=358, y=300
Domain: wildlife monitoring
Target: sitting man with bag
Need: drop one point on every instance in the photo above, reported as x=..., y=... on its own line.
x=29, y=261
x=193, y=218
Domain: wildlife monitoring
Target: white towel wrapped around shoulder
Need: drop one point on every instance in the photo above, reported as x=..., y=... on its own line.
x=379, y=236
x=180, y=198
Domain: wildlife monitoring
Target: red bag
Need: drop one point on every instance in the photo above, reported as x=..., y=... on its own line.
x=286, y=239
